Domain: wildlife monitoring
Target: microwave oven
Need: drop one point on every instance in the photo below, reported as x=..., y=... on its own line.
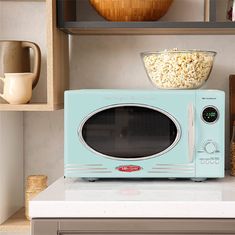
x=144, y=134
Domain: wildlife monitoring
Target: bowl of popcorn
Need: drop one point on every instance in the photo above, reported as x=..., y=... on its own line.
x=178, y=69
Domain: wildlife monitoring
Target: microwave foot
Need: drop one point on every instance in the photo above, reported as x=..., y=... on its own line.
x=198, y=179
x=90, y=179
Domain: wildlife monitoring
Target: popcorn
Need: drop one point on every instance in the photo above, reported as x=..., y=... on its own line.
x=178, y=69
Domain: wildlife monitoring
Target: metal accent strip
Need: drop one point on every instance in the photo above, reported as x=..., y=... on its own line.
x=189, y=165
x=167, y=172
x=83, y=165
x=177, y=169
x=69, y=172
x=83, y=169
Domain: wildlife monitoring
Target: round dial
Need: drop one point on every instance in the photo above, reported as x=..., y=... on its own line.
x=210, y=147
x=210, y=114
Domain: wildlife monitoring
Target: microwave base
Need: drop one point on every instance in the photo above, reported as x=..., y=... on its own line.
x=171, y=178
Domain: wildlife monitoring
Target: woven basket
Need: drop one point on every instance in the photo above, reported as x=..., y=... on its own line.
x=34, y=185
x=131, y=10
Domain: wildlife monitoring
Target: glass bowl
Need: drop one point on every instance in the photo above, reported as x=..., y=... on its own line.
x=174, y=69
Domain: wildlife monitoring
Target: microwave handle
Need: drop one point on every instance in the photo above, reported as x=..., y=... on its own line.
x=191, y=132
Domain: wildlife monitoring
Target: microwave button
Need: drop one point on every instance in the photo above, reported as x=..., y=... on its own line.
x=210, y=114
x=210, y=147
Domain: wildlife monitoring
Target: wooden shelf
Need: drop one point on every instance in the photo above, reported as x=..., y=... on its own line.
x=68, y=20
x=130, y=28
x=16, y=223
x=57, y=59
x=31, y=107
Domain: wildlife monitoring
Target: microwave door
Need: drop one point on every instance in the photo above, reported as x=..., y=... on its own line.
x=130, y=132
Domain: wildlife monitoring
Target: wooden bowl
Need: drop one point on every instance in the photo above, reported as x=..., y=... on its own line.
x=131, y=10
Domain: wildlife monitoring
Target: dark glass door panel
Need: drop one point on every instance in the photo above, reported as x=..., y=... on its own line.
x=129, y=132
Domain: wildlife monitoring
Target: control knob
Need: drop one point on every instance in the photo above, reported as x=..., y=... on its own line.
x=210, y=147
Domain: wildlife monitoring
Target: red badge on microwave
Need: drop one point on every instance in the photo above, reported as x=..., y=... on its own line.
x=128, y=168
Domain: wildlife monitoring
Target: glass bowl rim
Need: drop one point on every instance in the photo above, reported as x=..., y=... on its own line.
x=214, y=53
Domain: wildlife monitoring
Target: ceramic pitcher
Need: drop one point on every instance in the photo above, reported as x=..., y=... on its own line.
x=15, y=58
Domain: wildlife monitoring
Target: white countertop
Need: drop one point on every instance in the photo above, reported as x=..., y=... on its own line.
x=136, y=198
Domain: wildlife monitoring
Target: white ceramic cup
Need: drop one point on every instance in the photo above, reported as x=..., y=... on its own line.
x=17, y=87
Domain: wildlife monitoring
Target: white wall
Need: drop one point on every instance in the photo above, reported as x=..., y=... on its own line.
x=97, y=62
x=43, y=144
x=11, y=163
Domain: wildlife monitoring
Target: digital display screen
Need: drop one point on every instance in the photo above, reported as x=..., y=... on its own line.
x=210, y=114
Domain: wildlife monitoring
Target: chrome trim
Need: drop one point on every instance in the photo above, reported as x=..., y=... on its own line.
x=67, y=165
x=70, y=172
x=178, y=128
x=210, y=106
x=189, y=164
x=168, y=168
x=170, y=172
x=83, y=169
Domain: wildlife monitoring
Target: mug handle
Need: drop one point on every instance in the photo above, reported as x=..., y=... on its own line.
x=37, y=60
x=1, y=94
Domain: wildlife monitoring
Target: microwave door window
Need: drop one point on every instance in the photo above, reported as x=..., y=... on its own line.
x=129, y=132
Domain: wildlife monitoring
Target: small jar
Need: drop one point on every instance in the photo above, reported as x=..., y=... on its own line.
x=34, y=185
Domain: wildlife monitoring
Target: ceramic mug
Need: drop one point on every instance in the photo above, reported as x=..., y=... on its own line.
x=17, y=87
x=15, y=58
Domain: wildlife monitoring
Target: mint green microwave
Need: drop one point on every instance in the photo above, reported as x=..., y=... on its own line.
x=144, y=134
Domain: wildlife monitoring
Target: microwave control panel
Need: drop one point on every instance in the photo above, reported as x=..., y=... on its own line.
x=209, y=133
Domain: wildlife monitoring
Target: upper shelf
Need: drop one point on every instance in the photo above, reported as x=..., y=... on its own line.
x=54, y=79
x=103, y=27
x=70, y=21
